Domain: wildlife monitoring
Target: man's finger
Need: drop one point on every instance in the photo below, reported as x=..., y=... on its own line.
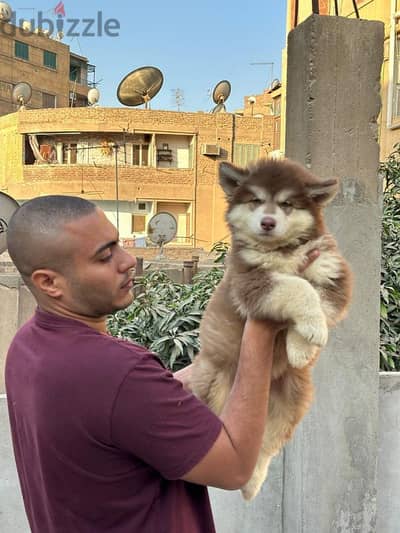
x=310, y=258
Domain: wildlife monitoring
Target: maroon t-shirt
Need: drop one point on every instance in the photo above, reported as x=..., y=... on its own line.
x=102, y=434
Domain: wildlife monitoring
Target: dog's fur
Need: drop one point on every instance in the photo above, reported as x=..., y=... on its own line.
x=275, y=217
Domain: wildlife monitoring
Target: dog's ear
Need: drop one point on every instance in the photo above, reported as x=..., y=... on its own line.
x=230, y=177
x=323, y=192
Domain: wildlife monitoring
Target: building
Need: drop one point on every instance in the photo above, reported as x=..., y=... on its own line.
x=268, y=103
x=387, y=11
x=133, y=163
x=58, y=77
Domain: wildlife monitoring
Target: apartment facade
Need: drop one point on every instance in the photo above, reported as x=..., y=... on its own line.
x=133, y=163
x=58, y=77
x=388, y=12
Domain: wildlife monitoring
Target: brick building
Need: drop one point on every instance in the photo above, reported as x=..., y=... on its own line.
x=58, y=77
x=150, y=160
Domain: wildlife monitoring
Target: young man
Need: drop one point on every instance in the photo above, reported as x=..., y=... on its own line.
x=105, y=438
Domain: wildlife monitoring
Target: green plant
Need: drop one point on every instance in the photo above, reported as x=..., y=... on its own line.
x=221, y=248
x=165, y=317
x=390, y=271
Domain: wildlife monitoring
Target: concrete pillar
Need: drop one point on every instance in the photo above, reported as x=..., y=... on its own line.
x=333, y=102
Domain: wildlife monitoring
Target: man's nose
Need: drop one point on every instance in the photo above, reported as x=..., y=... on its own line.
x=128, y=261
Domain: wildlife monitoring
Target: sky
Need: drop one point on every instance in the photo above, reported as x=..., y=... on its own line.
x=194, y=43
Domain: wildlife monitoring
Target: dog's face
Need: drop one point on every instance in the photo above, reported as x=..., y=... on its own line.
x=274, y=201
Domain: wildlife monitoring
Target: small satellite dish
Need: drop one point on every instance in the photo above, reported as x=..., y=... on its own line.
x=140, y=86
x=161, y=229
x=7, y=207
x=275, y=84
x=21, y=94
x=220, y=95
x=5, y=12
x=93, y=96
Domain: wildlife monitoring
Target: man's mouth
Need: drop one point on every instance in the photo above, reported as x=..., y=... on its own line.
x=128, y=284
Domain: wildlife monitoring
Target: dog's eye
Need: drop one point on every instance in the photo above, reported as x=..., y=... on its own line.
x=286, y=204
x=256, y=201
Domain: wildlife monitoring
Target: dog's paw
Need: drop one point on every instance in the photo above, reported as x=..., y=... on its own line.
x=314, y=330
x=299, y=351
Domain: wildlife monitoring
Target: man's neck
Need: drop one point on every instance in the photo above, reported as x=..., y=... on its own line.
x=97, y=323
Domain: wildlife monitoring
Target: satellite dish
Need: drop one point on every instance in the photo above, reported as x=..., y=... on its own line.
x=7, y=207
x=140, y=86
x=161, y=229
x=5, y=12
x=93, y=96
x=21, y=94
x=275, y=84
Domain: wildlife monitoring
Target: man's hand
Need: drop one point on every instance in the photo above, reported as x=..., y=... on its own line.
x=311, y=256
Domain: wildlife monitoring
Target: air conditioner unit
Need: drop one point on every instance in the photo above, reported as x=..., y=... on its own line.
x=210, y=149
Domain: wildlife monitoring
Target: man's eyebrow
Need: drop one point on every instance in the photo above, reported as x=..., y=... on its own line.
x=105, y=246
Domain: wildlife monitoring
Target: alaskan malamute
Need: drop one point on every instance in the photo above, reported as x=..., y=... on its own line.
x=275, y=217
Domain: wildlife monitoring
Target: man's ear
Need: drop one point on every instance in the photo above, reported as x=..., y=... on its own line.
x=230, y=177
x=323, y=192
x=47, y=282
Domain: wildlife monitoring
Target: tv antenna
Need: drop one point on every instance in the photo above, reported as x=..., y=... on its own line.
x=140, y=86
x=220, y=95
x=7, y=208
x=271, y=64
x=179, y=97
x=21, y=94
x=161, y=229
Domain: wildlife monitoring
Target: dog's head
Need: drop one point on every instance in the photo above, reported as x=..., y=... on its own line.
x=274, y=201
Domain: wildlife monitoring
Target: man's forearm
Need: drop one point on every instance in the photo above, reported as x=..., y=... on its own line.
x=245, y=411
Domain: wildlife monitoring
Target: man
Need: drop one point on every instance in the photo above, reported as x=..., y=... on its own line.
x=105, y=438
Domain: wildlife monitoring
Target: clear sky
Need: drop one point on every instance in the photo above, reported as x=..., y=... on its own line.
x=194, y=43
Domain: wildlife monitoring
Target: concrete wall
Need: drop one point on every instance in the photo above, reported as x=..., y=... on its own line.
x=332, y=109
x=389, y=453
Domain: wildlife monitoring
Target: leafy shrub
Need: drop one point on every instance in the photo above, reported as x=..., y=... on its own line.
x=165, y=317
x=390, y=271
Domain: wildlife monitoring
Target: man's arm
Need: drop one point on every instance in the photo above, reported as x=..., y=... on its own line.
x=231, y=460
x=184, y=375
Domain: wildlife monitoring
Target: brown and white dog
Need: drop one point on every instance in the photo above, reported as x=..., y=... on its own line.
x=275, y=217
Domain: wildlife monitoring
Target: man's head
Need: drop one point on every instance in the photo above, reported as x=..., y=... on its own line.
x=68, y=254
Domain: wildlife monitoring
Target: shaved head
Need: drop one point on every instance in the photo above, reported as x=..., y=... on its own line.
x=35, y=232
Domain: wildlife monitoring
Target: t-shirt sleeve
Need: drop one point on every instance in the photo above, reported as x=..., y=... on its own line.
x=159, y=422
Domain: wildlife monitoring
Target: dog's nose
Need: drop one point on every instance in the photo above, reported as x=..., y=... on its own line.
x=268, y=223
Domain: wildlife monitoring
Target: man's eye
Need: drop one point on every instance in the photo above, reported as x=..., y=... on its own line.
x=105, y=259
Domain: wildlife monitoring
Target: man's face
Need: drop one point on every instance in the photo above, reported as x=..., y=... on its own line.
x=98, y=281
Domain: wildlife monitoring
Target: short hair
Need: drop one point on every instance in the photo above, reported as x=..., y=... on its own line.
x=34, y=228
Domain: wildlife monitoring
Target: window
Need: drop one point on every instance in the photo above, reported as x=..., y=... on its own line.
x=70, y=152
x=21, y=50
x=48, y=100
x=75, y=73
x=243, y=154
x=138, y=223
x=140, y=155
x=49, y=59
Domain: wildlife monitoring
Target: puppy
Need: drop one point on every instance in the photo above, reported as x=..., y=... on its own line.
x=275, y=217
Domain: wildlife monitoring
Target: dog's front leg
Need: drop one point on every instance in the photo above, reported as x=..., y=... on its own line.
x=290, y=299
